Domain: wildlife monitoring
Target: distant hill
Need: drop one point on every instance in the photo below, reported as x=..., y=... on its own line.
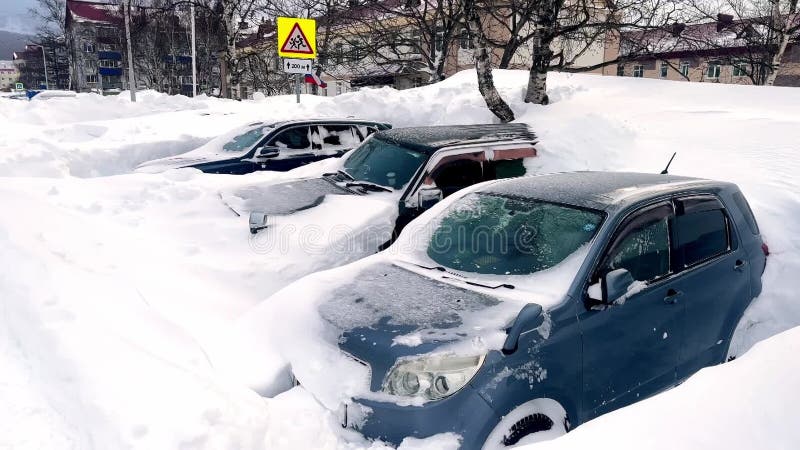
x=11, y=42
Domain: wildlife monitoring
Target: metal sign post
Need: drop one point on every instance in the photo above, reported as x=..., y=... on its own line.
x=297, y=39
x=297, y=86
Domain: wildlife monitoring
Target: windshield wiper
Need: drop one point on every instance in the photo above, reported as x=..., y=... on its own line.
x=341, y=172
x=368, y=185
x=462, y=278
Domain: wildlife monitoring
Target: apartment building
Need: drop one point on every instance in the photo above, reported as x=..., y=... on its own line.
x=711, y=52
x=9, y=75
x=97, y=46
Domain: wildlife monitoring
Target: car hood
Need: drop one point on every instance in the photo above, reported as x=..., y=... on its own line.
x=390, y=312
x=282, y=198
x=180, y=161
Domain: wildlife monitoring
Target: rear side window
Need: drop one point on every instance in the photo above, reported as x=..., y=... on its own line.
x=701, y=235
x=339, y=136
x=293, y=139
x=744, y=207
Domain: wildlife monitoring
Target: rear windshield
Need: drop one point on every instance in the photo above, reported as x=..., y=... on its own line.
x=492, y=234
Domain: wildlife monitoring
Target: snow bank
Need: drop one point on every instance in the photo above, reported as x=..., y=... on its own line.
x=748, y=403
x=121, y=292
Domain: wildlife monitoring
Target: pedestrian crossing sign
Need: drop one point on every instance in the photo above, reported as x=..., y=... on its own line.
x=297, y=38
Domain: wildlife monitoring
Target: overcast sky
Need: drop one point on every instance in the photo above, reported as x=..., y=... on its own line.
x=14, y=16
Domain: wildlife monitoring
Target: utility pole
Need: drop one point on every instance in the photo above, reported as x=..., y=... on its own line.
x=44, y=61
x=131, y=77
x=194, y=59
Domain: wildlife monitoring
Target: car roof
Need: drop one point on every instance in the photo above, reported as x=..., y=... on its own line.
x=599, y=190
x=322, y=120
x=431, y=139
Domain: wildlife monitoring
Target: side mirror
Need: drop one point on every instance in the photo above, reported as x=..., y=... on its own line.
x=429, y=196
x=258, y=221
x=267, y=152
x=528, y=318
x=615, y=284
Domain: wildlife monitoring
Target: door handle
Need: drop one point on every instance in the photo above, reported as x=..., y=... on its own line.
x=739, y=266
x=672, y=296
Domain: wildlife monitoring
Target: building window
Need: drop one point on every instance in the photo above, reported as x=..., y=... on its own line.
x=739, y=68
x=108, y=63
x=638, y=71
x=685, y=68
x=338, y=87
x=662, y=70
x=91, y=79
x=88, y=47
x=713, y=70
x=620, y=70
x=106, y=47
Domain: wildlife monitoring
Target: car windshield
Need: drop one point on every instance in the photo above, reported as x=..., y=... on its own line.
x=498, y=235
x=380, y=162
x=243, y=139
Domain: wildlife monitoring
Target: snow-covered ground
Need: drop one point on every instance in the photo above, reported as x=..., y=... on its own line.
x=120, y=293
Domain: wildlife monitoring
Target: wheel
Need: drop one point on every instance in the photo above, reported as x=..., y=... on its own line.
x=534, y=421
x=741, y=339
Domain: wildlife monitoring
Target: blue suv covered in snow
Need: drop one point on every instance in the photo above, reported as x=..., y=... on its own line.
x=275, y=146
x=528, y=306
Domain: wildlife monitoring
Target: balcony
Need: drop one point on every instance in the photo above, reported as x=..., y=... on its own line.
x=110, y=71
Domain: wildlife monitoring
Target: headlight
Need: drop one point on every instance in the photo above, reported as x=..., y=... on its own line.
x=431, y=377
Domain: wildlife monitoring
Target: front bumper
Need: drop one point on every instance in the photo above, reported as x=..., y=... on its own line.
x=466, y=413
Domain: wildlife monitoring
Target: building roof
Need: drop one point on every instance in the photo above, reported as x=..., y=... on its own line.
x=85, y=11
x=265, y=35
x=430, y=139
x=702, y=37
x=598, y=190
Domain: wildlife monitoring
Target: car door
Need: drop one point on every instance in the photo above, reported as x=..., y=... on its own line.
x=296, y=146
x=714, y=280
x=338, y=139
x=630, y=348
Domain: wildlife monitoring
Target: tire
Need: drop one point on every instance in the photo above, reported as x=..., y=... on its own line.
x=534, y=421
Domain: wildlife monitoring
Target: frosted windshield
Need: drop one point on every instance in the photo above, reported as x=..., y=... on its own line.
x=240, y=140
x=492, y=234
x=380, y=162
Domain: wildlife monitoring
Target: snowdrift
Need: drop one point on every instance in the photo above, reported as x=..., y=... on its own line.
x=121, y=292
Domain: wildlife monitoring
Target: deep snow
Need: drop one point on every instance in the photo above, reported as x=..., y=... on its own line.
x=122, y=294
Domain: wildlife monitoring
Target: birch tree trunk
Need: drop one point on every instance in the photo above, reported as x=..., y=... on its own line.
x=483, y=68
x=537, y=79
x=779, y=18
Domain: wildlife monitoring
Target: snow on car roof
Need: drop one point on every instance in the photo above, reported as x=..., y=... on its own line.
x=430, y=139
x=323, y=120
x=596, y=190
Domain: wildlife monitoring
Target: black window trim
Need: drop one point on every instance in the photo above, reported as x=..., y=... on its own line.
x=599, y=262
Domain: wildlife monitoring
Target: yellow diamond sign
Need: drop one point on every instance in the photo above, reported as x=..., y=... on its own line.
x=297, y=38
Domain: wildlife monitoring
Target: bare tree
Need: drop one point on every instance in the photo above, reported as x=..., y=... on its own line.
x=483, y=65
x=393, y=36
x=51, y=36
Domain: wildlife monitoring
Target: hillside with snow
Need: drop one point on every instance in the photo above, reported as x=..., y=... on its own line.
x=123, y=294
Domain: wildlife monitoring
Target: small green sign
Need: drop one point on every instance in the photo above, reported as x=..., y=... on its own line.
x=19, y=86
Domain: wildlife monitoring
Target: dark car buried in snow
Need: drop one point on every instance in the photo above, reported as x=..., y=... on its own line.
x=411, y=168
x=528, y=306
x=278, y=146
